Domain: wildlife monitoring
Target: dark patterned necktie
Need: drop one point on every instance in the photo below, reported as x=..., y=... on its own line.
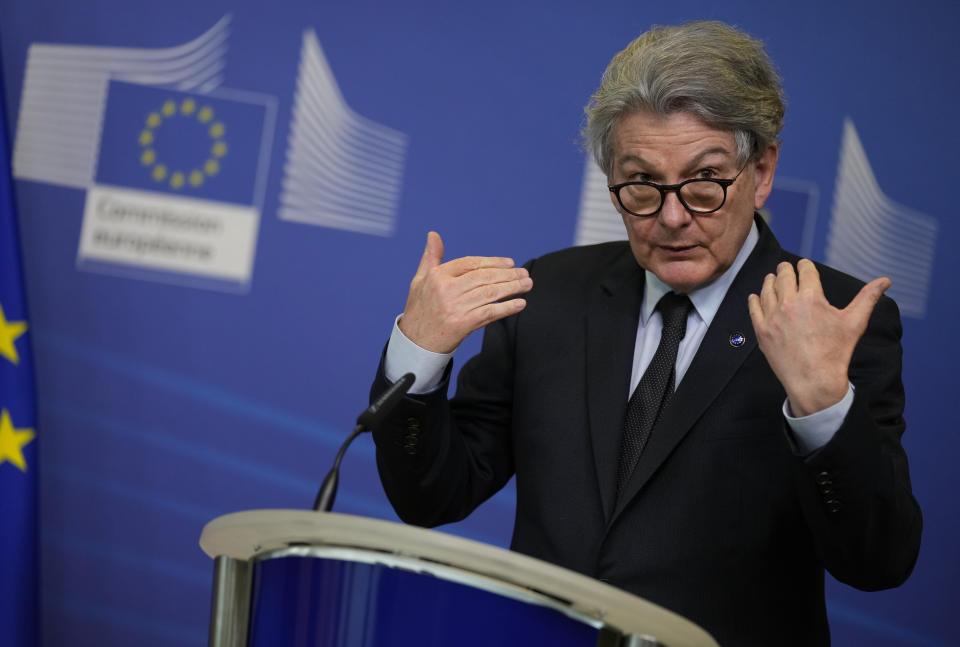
x=655, y=387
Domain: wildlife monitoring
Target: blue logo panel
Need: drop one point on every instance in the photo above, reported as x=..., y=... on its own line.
x=180, y=143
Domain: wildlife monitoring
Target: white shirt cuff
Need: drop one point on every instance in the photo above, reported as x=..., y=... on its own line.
x=403, y=356
x=812, y=432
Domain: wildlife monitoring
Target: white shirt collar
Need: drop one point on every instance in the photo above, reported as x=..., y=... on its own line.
x=707, y=299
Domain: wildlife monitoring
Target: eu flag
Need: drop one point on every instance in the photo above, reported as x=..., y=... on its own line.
x=180, y=143
x=19, y=622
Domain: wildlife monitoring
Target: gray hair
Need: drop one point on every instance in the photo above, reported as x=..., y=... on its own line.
x=708, y=69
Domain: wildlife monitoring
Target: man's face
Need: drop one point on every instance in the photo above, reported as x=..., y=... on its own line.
x=686, y=250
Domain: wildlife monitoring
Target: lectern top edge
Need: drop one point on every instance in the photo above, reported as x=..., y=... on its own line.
x=247, y=535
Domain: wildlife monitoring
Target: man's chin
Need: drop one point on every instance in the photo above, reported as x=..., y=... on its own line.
x=682, y=280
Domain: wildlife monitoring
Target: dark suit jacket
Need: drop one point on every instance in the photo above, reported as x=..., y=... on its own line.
x=720, y=521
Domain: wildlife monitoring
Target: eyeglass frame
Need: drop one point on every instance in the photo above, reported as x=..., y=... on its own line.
x=675, y=188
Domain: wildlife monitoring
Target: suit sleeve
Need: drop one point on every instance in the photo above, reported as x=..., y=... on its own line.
x=855, y=491
x=439, y=459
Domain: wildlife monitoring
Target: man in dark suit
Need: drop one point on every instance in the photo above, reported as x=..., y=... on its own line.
x=770, y=449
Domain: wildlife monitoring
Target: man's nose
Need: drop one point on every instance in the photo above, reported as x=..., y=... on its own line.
x=673, y=214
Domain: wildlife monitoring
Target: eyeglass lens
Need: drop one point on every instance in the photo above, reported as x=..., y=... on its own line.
x=699, y=196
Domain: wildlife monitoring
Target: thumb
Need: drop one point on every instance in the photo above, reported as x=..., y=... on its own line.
x=432, y=253
x=865, y=301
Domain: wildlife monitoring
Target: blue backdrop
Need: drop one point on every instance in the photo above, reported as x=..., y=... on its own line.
x=221, y=205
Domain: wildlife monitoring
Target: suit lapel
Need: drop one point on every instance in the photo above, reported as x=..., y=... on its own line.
x=612, y=315
x=714, y=365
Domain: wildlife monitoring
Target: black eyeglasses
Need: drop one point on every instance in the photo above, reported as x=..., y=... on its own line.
x=698, y=195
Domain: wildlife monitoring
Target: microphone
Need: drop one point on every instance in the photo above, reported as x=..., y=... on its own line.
x=376, y=412
x=366, y=421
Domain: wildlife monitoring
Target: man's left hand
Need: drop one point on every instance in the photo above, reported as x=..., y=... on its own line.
x=807, y=341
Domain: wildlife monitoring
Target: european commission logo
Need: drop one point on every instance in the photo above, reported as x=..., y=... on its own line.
x=179, y=184
x=175, y=166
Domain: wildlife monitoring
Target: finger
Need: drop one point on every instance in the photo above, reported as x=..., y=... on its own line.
x=494, y=311
x=432, y=253
x=491, y=275
x=491, y=293
x=460, y=266
x=786, y=283
x=756, y=311
x=866, y=300
x=768, y=294
x=808, y=277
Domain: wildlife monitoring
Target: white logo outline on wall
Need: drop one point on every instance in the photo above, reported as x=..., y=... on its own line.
x=870, y=235
x=330, y=149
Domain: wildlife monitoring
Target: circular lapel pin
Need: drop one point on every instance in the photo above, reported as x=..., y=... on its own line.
x=737, y=339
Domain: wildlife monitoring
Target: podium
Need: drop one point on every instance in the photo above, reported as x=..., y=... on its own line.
x=292, y=578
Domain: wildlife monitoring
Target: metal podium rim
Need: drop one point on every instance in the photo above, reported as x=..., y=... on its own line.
x=625, y=618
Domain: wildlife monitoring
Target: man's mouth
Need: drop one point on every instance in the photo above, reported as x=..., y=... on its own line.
x=677, y=249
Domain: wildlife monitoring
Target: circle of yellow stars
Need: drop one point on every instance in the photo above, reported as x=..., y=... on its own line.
x=12, y=440
x=177, y=178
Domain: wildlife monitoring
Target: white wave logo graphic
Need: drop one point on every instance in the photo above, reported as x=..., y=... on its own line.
x=597, y=221
x=871, y=236
x=65, y=93
x=332, y=150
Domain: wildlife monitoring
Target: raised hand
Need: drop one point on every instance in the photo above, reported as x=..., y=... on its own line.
x=808, y=342
x=448, y=301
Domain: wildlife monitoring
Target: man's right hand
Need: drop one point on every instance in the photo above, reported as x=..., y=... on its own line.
x=448, y=301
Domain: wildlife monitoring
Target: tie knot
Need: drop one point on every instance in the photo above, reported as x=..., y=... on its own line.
x=674, y=309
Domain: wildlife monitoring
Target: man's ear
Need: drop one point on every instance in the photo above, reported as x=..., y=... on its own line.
x=764, y=167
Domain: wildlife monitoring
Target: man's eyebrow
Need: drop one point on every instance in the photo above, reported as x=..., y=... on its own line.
x=626, y=159
x=698, y=159
x=716, y=150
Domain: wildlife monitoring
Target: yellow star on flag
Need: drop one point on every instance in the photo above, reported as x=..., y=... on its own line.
x=8, y=335
x=12, y=442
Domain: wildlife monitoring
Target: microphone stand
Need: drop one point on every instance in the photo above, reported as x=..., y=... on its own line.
x=366, y=421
